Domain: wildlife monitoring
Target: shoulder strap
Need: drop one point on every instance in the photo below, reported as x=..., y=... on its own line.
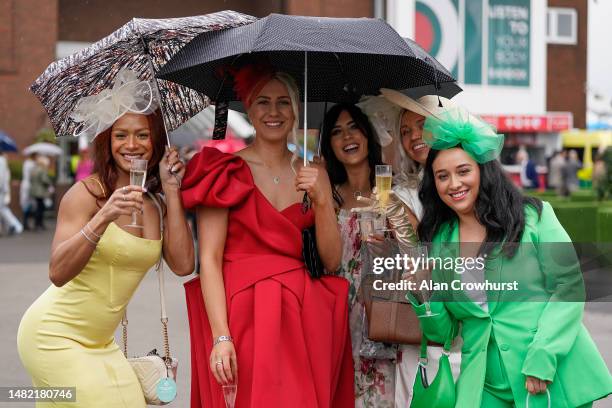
x=447, y=343
x=97, y=197
x=162, y=293
x=101, y=186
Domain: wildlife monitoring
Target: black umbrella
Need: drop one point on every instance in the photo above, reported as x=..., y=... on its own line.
x=340, y=59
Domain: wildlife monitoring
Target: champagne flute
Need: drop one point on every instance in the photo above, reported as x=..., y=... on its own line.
x=229, y=393
x=383, y=188
x=138, y=176
x=421, y=251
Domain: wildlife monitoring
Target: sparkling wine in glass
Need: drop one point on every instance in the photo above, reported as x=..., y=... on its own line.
x=138, y=176
x=383, y=189
x=229, y=393
x=383, y=184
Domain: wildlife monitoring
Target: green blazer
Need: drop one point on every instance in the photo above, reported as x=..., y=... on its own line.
x=538, y=329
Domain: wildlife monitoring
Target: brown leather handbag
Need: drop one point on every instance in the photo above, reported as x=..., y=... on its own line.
x=390, y=318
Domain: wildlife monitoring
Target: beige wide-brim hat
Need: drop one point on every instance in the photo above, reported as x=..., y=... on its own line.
x=427, y=105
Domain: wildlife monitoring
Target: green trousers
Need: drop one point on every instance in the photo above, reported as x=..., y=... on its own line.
x=491, y=401
x=497, y=392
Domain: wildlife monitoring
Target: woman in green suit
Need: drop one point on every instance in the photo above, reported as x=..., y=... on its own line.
x=527, y=337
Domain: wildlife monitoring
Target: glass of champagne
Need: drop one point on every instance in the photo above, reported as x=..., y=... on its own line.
x=421, y=251
x=383, y=188
x=138, y=176
x=229, y=393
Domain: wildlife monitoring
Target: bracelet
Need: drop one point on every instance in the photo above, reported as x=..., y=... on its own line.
x=221, y=339
x=94, y=243
x=92, y=232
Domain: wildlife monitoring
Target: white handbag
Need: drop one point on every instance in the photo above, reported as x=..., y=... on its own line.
x=547, y=396
x=153, y=370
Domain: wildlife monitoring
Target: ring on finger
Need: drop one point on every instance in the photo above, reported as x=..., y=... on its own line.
x=220, y=362
x=124, y=197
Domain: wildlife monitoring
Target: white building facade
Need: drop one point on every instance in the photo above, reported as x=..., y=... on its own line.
x=497, y=50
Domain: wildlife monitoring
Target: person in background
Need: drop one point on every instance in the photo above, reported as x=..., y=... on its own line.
x=529, y=174
x=25, y=199
x=85, y=165
x=555, y=168
x=14, y=226
x=570, y=173
x=599, y=176
x=40, y=190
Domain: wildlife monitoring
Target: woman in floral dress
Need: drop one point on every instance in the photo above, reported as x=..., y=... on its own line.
x=351, y=151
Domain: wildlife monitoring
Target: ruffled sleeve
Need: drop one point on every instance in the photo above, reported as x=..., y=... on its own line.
x=215, y=179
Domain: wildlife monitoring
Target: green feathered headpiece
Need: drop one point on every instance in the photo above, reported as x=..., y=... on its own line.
x=456, y=126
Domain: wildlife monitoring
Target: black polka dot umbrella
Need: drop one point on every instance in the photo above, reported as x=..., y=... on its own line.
x=340, y=59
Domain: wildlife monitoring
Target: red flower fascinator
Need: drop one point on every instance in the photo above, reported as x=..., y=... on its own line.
x=249, y=79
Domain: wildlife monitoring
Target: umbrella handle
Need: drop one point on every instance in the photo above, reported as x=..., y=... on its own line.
x=436, y=82
x=305, y=108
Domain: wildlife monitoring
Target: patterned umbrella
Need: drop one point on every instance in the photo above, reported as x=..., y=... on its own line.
x=137, y=45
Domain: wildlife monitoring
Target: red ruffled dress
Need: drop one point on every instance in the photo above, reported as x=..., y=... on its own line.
x=290, y=331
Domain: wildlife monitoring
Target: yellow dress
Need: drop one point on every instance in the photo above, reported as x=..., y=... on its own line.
x=66, y=337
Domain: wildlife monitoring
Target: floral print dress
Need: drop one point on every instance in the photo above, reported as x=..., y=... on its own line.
x=374, y=378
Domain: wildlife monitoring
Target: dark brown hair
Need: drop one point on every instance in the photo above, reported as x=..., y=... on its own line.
x=106, y=168
x=335, y=169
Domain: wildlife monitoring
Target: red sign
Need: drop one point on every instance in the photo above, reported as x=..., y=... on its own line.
x=547, y=123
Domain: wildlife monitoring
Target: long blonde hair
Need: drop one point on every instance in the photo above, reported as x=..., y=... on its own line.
x=409, y=169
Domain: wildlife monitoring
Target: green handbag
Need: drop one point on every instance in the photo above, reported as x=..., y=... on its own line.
x=441, y=392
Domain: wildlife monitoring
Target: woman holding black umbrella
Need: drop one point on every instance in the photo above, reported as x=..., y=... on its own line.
x=257, y=319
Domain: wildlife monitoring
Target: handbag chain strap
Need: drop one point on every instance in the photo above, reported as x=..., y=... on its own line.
x=162, y=298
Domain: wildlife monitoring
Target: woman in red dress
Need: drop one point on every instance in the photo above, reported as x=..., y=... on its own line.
x=256, y=317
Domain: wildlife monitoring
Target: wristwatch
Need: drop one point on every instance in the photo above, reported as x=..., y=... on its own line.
x=221, y=339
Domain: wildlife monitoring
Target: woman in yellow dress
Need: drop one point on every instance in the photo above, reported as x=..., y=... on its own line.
x=66, y=337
